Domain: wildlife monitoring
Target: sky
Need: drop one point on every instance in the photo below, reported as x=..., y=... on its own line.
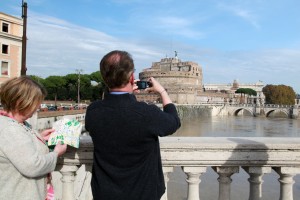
x=243, y=40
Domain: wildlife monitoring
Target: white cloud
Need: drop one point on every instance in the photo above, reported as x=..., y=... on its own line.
x=64, y=47
x=243, y=13
x=275, y=66
x=56, y=47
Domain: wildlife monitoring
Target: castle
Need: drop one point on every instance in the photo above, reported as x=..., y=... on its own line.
x=183, y=82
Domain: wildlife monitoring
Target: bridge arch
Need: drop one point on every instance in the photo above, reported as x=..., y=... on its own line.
x=277, y=111
x=236, y=111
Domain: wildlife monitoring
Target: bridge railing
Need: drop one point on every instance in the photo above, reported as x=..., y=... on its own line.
x=278, y=106
x=226, y=156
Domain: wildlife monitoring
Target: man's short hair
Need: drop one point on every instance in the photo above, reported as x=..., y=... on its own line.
x=116, y=67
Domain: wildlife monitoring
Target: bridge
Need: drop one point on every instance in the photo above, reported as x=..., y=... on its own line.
x=264, y=110
x=194, y=157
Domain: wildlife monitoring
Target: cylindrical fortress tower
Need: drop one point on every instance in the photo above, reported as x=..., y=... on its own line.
x=182, y=80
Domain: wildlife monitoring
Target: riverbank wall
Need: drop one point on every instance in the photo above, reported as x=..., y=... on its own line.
x=45, y=120
x=192, y=111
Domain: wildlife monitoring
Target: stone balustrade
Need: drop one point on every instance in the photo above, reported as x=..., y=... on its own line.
x=193, y=155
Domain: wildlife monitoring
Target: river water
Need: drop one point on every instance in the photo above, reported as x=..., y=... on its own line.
x=233, y=126
x=239, y=126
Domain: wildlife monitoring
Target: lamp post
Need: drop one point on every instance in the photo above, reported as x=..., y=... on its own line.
x=24, y=38
x=78, y=85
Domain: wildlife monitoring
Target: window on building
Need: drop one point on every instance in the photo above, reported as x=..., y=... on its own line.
x=5, y=27
x=4, y=68
x=4, y=48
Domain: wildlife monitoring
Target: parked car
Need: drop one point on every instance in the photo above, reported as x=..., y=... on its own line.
x=43, y=107
x=80, y=106
x=66, y=106
x=52, y=107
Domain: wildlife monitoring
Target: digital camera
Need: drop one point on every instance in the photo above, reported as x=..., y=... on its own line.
x=143, y=84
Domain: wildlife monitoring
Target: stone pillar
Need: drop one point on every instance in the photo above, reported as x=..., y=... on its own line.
x=256, y=110
x=294, y=112
x=286, y=181
x=193, y=179
x=255, y=181
x=166, y=171
x=225, y=180
x=68, y=178
x=82, y=183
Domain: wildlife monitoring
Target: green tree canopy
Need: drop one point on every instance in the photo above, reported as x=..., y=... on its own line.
x=98, y=90
x=96, y=76
x=37, y=79
x=248, y=91
x=55, y=86
x=279, y=94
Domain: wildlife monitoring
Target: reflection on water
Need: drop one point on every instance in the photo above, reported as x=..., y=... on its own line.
x=239, y=126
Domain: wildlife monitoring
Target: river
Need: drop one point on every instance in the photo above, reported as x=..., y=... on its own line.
x=233, y=126
x=239, y=126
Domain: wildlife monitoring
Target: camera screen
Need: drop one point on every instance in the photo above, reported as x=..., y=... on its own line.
x=142, y=84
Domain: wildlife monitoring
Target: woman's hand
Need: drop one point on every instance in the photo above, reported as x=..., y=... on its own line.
x=60, y=149
x=46, y=133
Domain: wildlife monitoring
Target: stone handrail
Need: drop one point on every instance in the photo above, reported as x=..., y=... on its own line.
x=257, y=156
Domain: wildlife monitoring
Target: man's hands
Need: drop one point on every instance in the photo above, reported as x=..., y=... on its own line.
x=155, y=87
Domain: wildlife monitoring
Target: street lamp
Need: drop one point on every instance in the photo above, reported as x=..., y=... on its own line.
x=24, y=38
x=78, y=85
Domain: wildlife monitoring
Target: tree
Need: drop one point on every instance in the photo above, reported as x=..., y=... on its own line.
x=99, y=88
x=66, y=87
x=96, y=76
x=37, y=79
x=248, y=91
x=85, y=87
x=279, y=94
x=55, y=86
x=72, y=86
x=245, y=91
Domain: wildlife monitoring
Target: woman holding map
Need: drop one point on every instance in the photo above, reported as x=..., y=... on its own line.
x=25, y=160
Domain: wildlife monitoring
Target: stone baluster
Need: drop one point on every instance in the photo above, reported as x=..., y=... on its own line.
x=193, y=179
x=286, y=181
x=255, y=180
x=68, y=178
x=166, y=171
x=83, y=182
x=225, y=181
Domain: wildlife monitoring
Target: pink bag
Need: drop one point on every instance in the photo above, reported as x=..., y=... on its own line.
x=50, y=189
x=50, y=192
